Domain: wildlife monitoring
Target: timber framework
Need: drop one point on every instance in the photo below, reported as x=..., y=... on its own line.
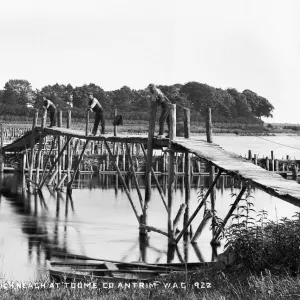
x=62, y=142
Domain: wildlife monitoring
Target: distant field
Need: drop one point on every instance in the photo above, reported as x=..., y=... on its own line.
x=141, y=126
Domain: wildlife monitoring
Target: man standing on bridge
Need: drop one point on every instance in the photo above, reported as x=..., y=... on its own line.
x=50, y=106
x=161, y=100
x=95, y=106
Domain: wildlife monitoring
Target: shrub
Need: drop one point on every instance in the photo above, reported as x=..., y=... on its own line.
x=260, y=244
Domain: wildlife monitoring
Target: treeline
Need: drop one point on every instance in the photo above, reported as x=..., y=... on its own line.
x=227, y=105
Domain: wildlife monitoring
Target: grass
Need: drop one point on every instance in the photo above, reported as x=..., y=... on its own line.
x=215, y=285
x=141, y=126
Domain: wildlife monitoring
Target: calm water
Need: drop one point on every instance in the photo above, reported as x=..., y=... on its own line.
x=98, y=221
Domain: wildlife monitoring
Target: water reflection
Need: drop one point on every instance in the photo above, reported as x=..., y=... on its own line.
x=97, y=221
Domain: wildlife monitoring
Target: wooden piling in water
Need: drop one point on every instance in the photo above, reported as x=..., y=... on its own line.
x=156, y=180
x=171, y=171
x=39, y=155
x=151, y=130
x=32, y=150
x=59, y=142
x=69, y=158
x=137, y=186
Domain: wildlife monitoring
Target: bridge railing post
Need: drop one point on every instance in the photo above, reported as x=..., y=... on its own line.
x=171, y=173
x=209, y=126
x=115, y=125
x=187, y=123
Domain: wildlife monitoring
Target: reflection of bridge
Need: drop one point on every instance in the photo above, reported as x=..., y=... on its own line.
x=39, y=236
x=218, y=158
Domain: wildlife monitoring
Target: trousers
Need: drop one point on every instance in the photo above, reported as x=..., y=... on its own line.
x=99, y=117
x=52, y=116
x=164, y=117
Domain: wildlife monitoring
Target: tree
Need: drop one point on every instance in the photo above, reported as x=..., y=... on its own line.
x=17, y=92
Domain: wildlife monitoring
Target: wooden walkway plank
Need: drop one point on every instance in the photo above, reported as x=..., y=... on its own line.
x=233, y=164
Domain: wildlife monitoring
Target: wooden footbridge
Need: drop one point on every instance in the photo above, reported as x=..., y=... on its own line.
x=219, y=159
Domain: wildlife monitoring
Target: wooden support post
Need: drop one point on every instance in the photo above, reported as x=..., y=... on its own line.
x=54, y=163
x=232, y=208
x=32, y=149
x=272, y=161
x=123, y=181
x=198, y=232
x=209, y=126
x=187, y=183
x=87, y=121
x=255, y=159
x=156, y=181
x=276, y=165
x=187, y=123
x=267, y=164
x=59, y=142
x=178, y=216
x=250, y=155
x=198, y=208
x=295, y=171
x=151, y=130
x=115, y=126
x=134, y=177
x=171, y=171
x=69, y=158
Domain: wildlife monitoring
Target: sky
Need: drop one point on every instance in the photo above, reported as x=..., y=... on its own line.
x=241, y=44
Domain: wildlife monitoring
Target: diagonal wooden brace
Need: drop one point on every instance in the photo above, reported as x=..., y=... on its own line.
x=156, y=181
x=135, y=177
x=199, y=207
x=55, y=162
x=69, y=185
x=232, y=208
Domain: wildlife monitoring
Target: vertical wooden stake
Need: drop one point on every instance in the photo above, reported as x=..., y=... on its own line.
x=187, y=174
x=69, y=161
x=115, y=126
x=187, y=123
x=171, y=171
x=151, y=130
x=32, y=150
x=59, y=141
x=209, y=126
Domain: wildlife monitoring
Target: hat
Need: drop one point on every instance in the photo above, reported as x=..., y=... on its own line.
x=151, y=85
